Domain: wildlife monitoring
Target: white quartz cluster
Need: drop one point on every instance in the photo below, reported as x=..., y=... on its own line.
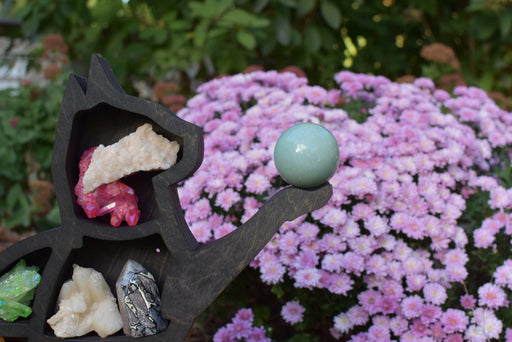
x=86, y=304
x=142, y=150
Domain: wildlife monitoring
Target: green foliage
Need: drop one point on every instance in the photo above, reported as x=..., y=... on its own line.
x=28, y=119
x=200, y=39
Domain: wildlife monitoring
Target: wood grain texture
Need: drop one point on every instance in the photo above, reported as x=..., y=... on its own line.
x=189, y=275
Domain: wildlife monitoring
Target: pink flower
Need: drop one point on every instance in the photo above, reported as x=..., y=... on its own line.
x=222, y=335
x=340, y=283
x=201, y=231
x=306, y=258
x=508, y=335
x=376, y=264
x=353, y=262
x=241, y=329
x=370, y=300
x=244, y=315
x=435, y=293
x=392, y=289
x=363, y=245
x=379, y=333
x=453, y=338
x=454, y=320
x=358, y=315
x=483, y=237
x=257, y=183
x=419, y=328
x=289, y=242
x=332, y=262
x=223, y=229
x=227, y=198
x=430, y=313
x=455, y=256
x=308, y=278
x=334, y=218
x=200, y=210
x=308, y=231
x=468, y=302
x=415, y=282
x=376, y=225
x=492, y=327
x=412, y=306
x=437, y=331
x=343, y=323
x=292, y=312
x=258, y=335
x=456, y=273
x=492, y=296
x=398, y=325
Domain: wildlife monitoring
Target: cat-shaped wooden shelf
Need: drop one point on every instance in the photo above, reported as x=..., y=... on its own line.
x=189, y=275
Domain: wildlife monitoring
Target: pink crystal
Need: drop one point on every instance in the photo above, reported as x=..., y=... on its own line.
x=115, y=198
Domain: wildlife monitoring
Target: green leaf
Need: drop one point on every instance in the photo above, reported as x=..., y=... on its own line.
x=18, y=206
x=313, y=39
x=243, y=18
x=155, y=33
x=198, y=9
x=246, y=39
x=210, y=8
x=283, y=30
x=304, y=7
x=288, y=3
x=222, y=6
x=261, y=314
x=304, y=337
x=108, y=10
x=505, y=23
x=30, y=26
x=482, y=26
x=277, y=290
x=200, y=32
x=331, y=14
x=260, y=5
x=14, y=196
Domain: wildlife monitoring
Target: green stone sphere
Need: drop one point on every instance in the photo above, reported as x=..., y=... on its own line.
x=306, y=155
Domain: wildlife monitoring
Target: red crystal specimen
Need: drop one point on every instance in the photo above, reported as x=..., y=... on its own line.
x=115, y=198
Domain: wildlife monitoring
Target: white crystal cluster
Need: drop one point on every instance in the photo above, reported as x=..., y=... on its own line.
x=86, y=304
x=142, y=150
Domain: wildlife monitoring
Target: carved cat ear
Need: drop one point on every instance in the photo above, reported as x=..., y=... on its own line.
x=98, y=111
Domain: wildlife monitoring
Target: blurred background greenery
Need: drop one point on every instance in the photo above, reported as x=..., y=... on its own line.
x=192, y=41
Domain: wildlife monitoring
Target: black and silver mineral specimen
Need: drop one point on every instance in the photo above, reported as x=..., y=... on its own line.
x=139, y=301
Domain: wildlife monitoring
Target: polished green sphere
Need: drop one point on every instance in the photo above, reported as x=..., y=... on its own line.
x=306, y=155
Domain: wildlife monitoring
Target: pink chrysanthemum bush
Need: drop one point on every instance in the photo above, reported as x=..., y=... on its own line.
x=414, y=244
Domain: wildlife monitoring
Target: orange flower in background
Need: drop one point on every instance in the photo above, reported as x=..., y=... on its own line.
x=252, y=68
x=51, y=71
x=174, y=102
x=166, y=93
x=450, y=81
x=295, y=69
x=42, y=195
x=406, y=79
x=54, y=42
x=54, y=56
x=441, y=53
x=163, y=88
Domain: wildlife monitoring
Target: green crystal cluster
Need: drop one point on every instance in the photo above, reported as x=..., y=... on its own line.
x=17, y=288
